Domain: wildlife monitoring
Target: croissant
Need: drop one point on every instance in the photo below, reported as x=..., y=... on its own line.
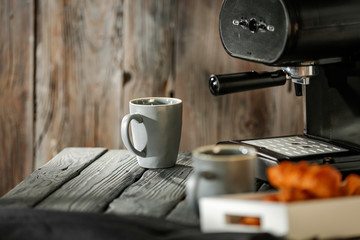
x=303, y=181
x=352, y=185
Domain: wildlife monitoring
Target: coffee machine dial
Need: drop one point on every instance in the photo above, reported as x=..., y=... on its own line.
x=250, y=31
x=290, y=32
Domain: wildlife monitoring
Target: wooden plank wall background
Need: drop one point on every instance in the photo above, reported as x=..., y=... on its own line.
x=69, y=68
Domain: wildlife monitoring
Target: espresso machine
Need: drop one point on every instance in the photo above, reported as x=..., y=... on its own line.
x=316, y=45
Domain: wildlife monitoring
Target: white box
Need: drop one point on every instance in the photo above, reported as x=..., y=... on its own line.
x=320, y=218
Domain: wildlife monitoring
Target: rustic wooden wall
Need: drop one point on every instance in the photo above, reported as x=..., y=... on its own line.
x=16, y=91
x=69, y=68
x=79, y=67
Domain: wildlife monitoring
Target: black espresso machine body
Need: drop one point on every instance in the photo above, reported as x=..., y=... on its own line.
x=316, y=45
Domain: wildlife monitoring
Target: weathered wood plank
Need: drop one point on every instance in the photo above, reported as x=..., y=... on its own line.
x=149, y=50
x=45, y=180
x=209, y=119
x=157, y=192
x=16, y=91
x=97, y=185
x=79, y=75
x=183, y=213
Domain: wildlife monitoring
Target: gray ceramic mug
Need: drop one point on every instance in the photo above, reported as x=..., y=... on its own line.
x=156, y=130
x=221, y=169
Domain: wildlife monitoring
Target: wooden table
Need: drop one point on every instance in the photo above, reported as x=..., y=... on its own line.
x=95, y=193
x=106, y=181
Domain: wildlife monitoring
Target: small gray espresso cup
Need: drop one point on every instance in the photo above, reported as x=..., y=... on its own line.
x=221, y=169
x=156, y=131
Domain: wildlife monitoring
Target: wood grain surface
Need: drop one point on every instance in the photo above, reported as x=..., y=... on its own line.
x=97, y=185
x=184, y=214
x=16, y=91
x=149, y=49
x=157, y=192
x=79, y=75
x=69, y=68
x=45, y=180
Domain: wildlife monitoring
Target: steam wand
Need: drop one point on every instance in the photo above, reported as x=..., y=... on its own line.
x=238, y=82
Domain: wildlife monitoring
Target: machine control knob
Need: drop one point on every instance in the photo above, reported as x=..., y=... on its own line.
x=253, y=25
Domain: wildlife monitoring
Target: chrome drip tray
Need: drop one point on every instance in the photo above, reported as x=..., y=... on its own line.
x=296, y=146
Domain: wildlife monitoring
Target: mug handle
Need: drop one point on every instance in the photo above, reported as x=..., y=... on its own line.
x=125, y=125
x=192, y=188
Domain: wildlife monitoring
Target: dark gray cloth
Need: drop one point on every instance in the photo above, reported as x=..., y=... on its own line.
x=33, y=224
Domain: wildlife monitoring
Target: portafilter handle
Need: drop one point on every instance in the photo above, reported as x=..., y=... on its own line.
x=238, y=82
